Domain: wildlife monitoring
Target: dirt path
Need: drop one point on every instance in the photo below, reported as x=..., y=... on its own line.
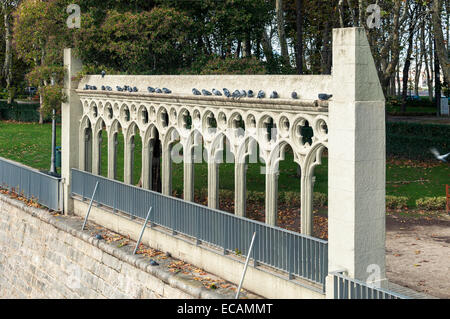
x=418, y=255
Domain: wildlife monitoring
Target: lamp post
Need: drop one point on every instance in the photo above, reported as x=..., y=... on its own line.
x=52, y=159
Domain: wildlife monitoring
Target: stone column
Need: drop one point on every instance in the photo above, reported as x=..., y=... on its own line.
x=127, y=160
x=240, y=188
x=306, y=203
x=96, y=151
x=271, y=196
x=71, y=112
x=166, y=173
x=112, y=154
x=146, y=168
x=188, y=176
x=213, y=183
x=357, y=161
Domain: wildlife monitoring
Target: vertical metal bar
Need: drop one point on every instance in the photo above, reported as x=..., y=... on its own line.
x=142, y=231
x=90, y=205
x=245, y=266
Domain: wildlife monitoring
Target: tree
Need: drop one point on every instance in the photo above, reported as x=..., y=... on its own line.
x=40, y=34
x=441, y=49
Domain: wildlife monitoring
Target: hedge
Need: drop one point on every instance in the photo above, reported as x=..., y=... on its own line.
x=413, y=140
x=22, y=112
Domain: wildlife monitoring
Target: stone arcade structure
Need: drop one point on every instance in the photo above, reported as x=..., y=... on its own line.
x=351, y=125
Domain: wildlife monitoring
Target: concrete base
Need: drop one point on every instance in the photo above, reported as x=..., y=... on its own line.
x=258, y=280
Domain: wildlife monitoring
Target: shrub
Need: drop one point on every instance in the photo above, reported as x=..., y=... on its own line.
x=431, y=203
x=396, y=202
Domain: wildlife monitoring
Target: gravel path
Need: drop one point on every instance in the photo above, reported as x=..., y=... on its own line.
x=418, y=255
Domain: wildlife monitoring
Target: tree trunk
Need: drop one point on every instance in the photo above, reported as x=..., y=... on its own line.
x=299, y=47
x=437, y=80
x=281, y=32
x=441, y=50
x=407, y=66
x=7, y=66
x=267, y=46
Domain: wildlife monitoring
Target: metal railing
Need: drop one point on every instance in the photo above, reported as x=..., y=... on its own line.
x=30, y=183
x=294, y=253
x=349, y=288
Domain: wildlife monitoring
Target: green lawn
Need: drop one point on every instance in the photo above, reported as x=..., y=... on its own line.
x=30, y=144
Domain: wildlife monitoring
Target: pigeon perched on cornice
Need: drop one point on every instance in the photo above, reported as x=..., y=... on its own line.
x=226, y=92
x=250, y=93
x=261, y=94
x=150, y=89
x=274, y=95
x=119, y=88
x=158, y=90
x=108, y=88
x=103, y=73
x=206, y=92
x=324, y=97
x=294, y=95
x=216, y=92
x=166, y=90
x=130, y=89
x=196, y=92
x=236, y=94
x=243, y=93
x=103, y=88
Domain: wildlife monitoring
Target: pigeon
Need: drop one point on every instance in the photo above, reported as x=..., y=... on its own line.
x=196, y=92
x=153, y=263
x=135, y=89
x=324, y=97
x=86, y=87
x=119, y=88
x=93, y=87
x=99, y=237
x=150, y=89
x=439, y=156
x=166, y=90
x=294, y=95
x=216, y=92
x=103, y=74
x=130, y=89
x=250, y=93
x=206, y=92
x=103, y=88
x=243, y=93
x=108, y=88
x=226, y=92
x=261, y=94
x=158, y=90
x=274, y=95
x=125, y=87
x=236, y=94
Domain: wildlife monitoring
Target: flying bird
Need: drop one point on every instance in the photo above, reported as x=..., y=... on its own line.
x=206, y=92
x=196, y=92
x=166, y=90
x=294, y=95
x=274, y=95
x=226, y=92
x=325, y=97
x=150, y=89
x=261, y=94
x=439, y=156
x=216, y=92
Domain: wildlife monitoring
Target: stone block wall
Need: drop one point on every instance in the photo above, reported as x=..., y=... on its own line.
x=42, y=256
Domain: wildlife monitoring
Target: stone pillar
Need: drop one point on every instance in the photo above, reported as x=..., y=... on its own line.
x=306, y=203
x=166, y=176
x=146, y=168
x=71, y=112
x=357, y=160
x=188, y=176
x=271, y=196
x=213, y=183
x=112, y=154
x=128, y=157
x=240, y=188
x=96, y=151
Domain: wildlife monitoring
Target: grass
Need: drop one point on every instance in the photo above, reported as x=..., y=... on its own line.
x=30, y=144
